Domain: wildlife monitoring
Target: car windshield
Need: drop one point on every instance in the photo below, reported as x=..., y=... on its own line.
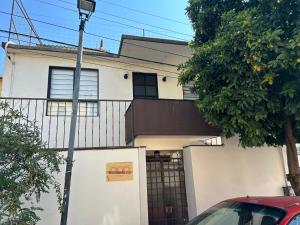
x=237, y=213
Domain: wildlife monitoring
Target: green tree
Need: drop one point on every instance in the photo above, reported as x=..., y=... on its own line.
x=246, y=70
x=27, y=169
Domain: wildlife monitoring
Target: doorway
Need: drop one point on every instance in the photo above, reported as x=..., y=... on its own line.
x=167, y=203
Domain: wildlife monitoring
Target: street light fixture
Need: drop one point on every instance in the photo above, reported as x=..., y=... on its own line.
x=85, y=8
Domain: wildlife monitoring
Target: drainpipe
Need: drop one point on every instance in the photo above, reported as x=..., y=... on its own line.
x=12, y=68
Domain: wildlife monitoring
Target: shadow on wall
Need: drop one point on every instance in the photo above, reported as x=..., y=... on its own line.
x=112, y=218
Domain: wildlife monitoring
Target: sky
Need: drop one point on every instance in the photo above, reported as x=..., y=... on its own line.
x=112, y=18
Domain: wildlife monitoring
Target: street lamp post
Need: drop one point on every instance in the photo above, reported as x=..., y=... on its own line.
x=85, y=8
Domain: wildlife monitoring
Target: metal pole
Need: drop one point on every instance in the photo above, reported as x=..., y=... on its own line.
x=69, y=165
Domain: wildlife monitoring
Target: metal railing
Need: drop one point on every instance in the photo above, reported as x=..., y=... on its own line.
x=100, y=124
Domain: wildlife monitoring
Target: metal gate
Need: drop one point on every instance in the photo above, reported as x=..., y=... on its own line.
x=167, y=203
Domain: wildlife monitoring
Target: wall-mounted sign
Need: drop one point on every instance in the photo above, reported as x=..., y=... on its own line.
x=119, y=171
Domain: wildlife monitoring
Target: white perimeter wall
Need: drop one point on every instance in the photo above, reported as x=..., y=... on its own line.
x=214, y=174
x=95, y=201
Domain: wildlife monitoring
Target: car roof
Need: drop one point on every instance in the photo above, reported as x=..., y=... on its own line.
x=283, y=202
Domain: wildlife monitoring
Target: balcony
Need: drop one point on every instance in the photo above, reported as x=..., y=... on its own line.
x=165, y=117
x=100, y=123
x=103, y=124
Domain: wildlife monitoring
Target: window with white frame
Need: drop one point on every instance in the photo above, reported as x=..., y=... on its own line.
x=60, y=91
x=188, y=93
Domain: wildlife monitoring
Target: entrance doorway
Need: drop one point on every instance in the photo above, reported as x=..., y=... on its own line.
x=167, y=203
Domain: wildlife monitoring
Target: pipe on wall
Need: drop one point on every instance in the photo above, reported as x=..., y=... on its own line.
x=12, y=68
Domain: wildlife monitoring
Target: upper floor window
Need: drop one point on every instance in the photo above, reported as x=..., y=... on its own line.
x=188, y=93
x=60, y=91
x=145, y=85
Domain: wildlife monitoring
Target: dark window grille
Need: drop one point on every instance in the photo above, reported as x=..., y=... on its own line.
x=167, y=203
x=145, y=85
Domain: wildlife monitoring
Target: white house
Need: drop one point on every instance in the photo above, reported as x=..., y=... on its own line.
x=133, y=111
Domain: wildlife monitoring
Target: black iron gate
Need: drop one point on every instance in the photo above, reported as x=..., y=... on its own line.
x=167, y=203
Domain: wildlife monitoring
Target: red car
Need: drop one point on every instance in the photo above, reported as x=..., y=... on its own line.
x=252, y=211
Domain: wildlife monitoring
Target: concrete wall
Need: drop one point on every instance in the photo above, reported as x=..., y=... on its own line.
x=214, y=174
x=95, y=201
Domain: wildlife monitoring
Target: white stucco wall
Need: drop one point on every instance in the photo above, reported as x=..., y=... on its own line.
x=166, y=142
x=27, y=76
x=214, y=174
x=95, y=201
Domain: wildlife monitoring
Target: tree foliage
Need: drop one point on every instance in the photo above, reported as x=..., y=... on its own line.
x=27, y=169
x=246, y=69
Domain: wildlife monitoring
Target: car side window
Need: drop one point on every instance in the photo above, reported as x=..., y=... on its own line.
x=295, y=220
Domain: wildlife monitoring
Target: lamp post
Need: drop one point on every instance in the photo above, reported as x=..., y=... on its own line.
x=85, y=8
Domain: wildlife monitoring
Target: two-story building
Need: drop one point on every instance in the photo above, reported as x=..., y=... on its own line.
x=133, y=110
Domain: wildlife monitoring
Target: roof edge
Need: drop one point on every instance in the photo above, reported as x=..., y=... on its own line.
x=65, y=49
x=59, y=49
x=149, y=39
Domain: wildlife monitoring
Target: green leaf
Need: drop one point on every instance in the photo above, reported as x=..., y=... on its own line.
x=27, y=168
